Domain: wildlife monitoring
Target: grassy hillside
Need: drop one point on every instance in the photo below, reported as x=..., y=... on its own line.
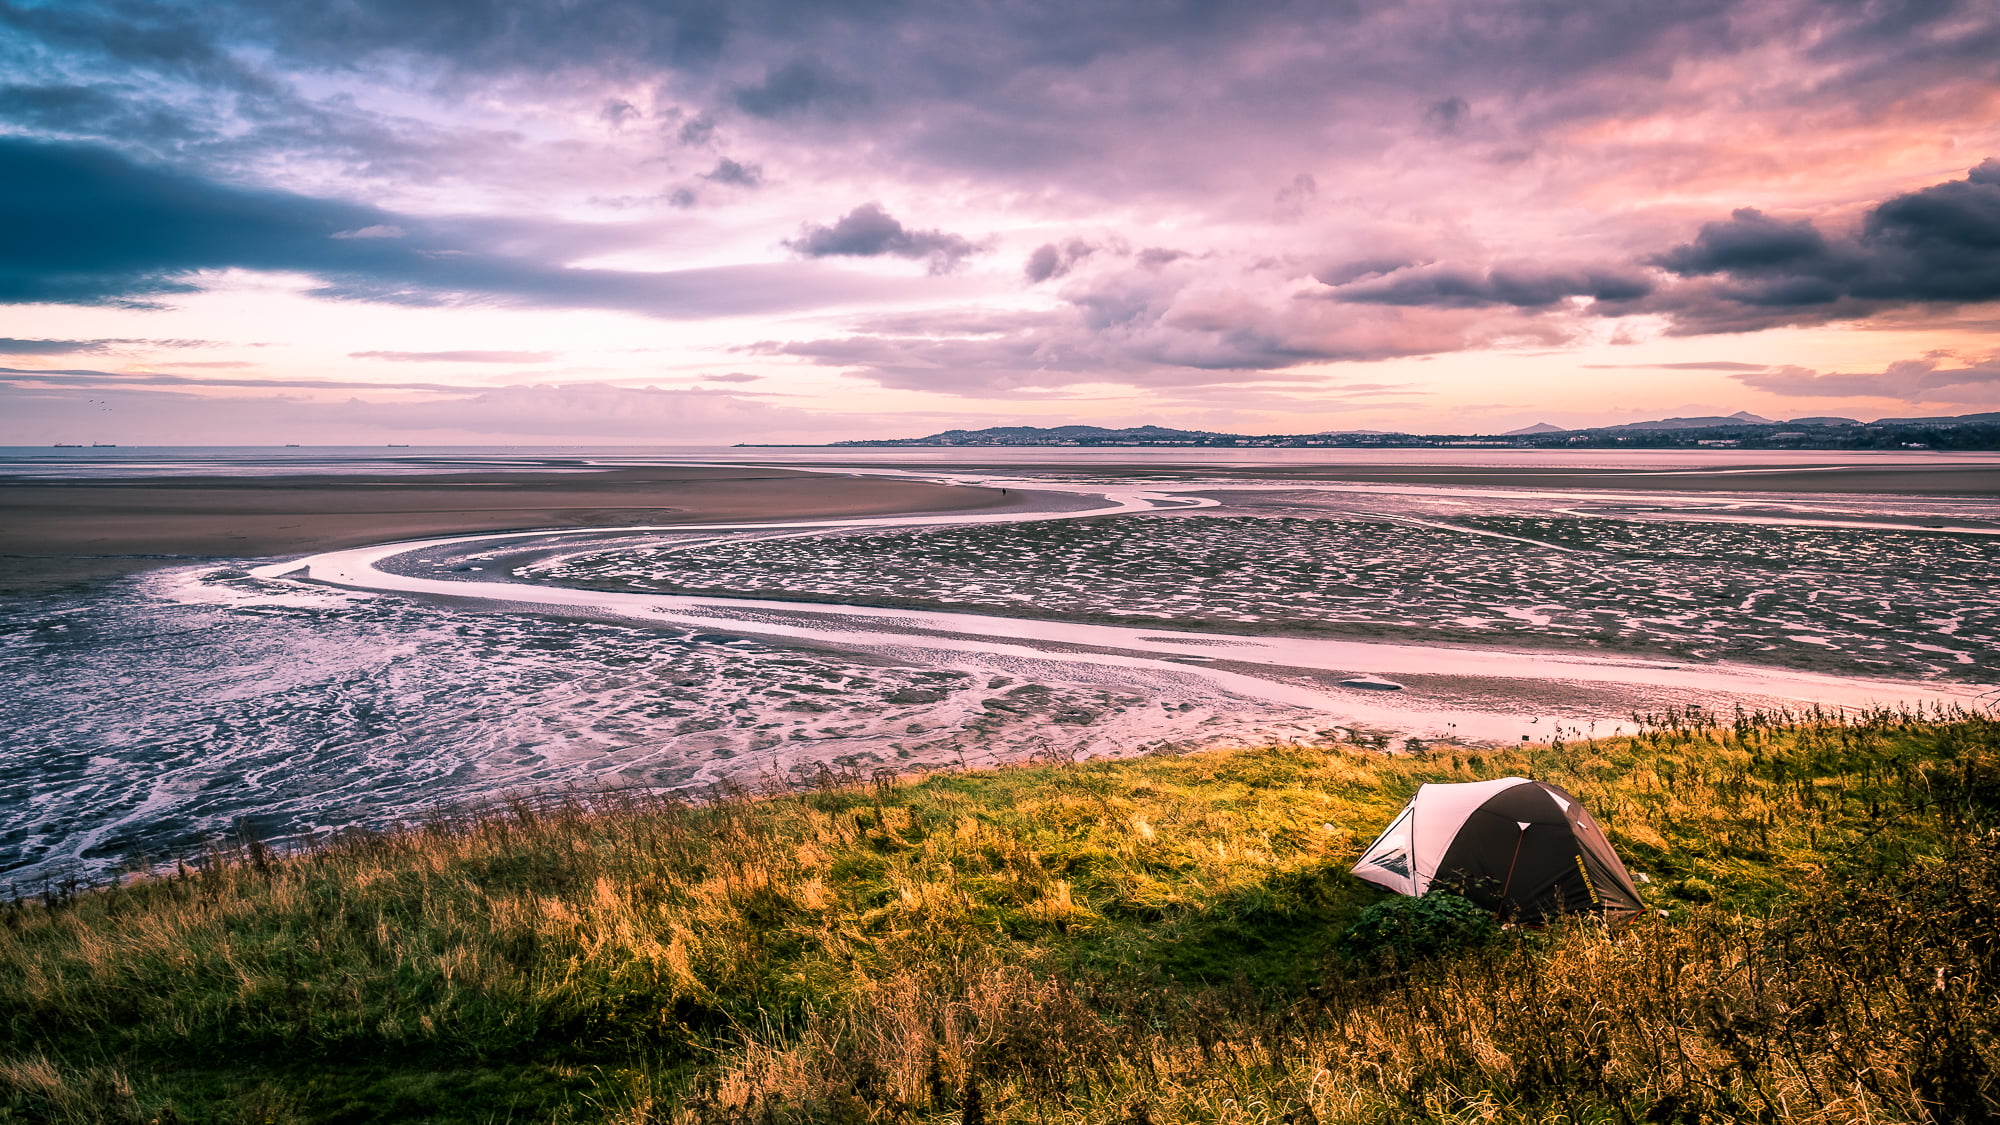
x=1131, y=941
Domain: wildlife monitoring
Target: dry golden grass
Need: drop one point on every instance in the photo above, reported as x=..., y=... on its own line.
x=1146, y=940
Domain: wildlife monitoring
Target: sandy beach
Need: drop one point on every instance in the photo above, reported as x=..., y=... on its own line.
x=61, y=534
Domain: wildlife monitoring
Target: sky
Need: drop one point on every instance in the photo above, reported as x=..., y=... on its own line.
x=258, y=222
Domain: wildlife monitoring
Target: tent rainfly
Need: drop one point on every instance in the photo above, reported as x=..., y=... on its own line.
x=1523, y=849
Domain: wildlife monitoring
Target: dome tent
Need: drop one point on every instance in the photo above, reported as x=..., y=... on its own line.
x=1523, y=849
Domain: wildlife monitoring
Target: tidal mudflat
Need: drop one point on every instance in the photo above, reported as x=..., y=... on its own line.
x=370, y=686
x=1862, y=599
x=142, y=721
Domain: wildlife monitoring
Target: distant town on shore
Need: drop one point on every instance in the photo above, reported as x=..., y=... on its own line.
x=1741, y=430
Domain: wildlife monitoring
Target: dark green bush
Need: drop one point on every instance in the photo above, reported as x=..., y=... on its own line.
x=1416, y=929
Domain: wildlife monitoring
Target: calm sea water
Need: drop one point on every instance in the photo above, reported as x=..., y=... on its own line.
x=45, y=462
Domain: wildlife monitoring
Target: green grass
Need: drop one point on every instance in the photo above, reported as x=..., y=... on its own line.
x=1152, y=939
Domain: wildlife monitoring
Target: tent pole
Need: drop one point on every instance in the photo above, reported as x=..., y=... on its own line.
x=1509, y=884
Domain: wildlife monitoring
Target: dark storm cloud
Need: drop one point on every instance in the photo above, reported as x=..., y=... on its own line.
x=1014, y=89
x=1075, y=97
x=901, y=46
x=1932, y=36
x=1936, y=246
x=617, y=111
x=171, y=39
x=189, y=84
x=727, y=171
x=1447, y=116
x=869, y=232
x=166, y=80
x=53, y=347
x=87, y=226
x=1044, y=263
x=798, y=88
x=68, y=110
x=1051, y=260
x=535, y=36
x=1525, y=287
x=91, y=347
x=1939, y=246
x=90, y=227
x=1291, y=201
x=1749, y=243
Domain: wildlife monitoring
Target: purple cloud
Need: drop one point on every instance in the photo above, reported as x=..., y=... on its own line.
x=1051, y=261
x=870, y=232
x=90, y=227
x=1913, y=380
x=1936, y=246
x=1523, y=286
x=730, y=172
x=53, y=347
x=90, y=347
x=1325, y=184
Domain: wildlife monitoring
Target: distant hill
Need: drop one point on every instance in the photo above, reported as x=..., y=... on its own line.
x=1740, y=418
x=1739, y=430
x=1054, y=435
x=1991, y=417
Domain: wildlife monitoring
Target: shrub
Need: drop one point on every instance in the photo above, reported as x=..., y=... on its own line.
x=1417, y=929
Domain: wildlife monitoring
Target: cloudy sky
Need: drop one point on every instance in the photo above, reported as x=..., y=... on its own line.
x=674, y=221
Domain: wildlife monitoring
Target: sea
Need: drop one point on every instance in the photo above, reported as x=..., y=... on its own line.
x=21, y=462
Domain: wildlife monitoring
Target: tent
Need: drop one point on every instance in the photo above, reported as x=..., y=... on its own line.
x=1523, y=849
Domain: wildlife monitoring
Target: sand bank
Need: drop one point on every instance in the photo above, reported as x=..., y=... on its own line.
x=57, y=534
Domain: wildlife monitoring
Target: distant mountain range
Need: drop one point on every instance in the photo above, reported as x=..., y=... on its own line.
x=1742, y=429
x=1991, y=417
x=1055, y=435
x=1740, y=418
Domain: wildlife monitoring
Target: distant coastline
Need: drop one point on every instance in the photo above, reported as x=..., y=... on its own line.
x=1738, y=431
